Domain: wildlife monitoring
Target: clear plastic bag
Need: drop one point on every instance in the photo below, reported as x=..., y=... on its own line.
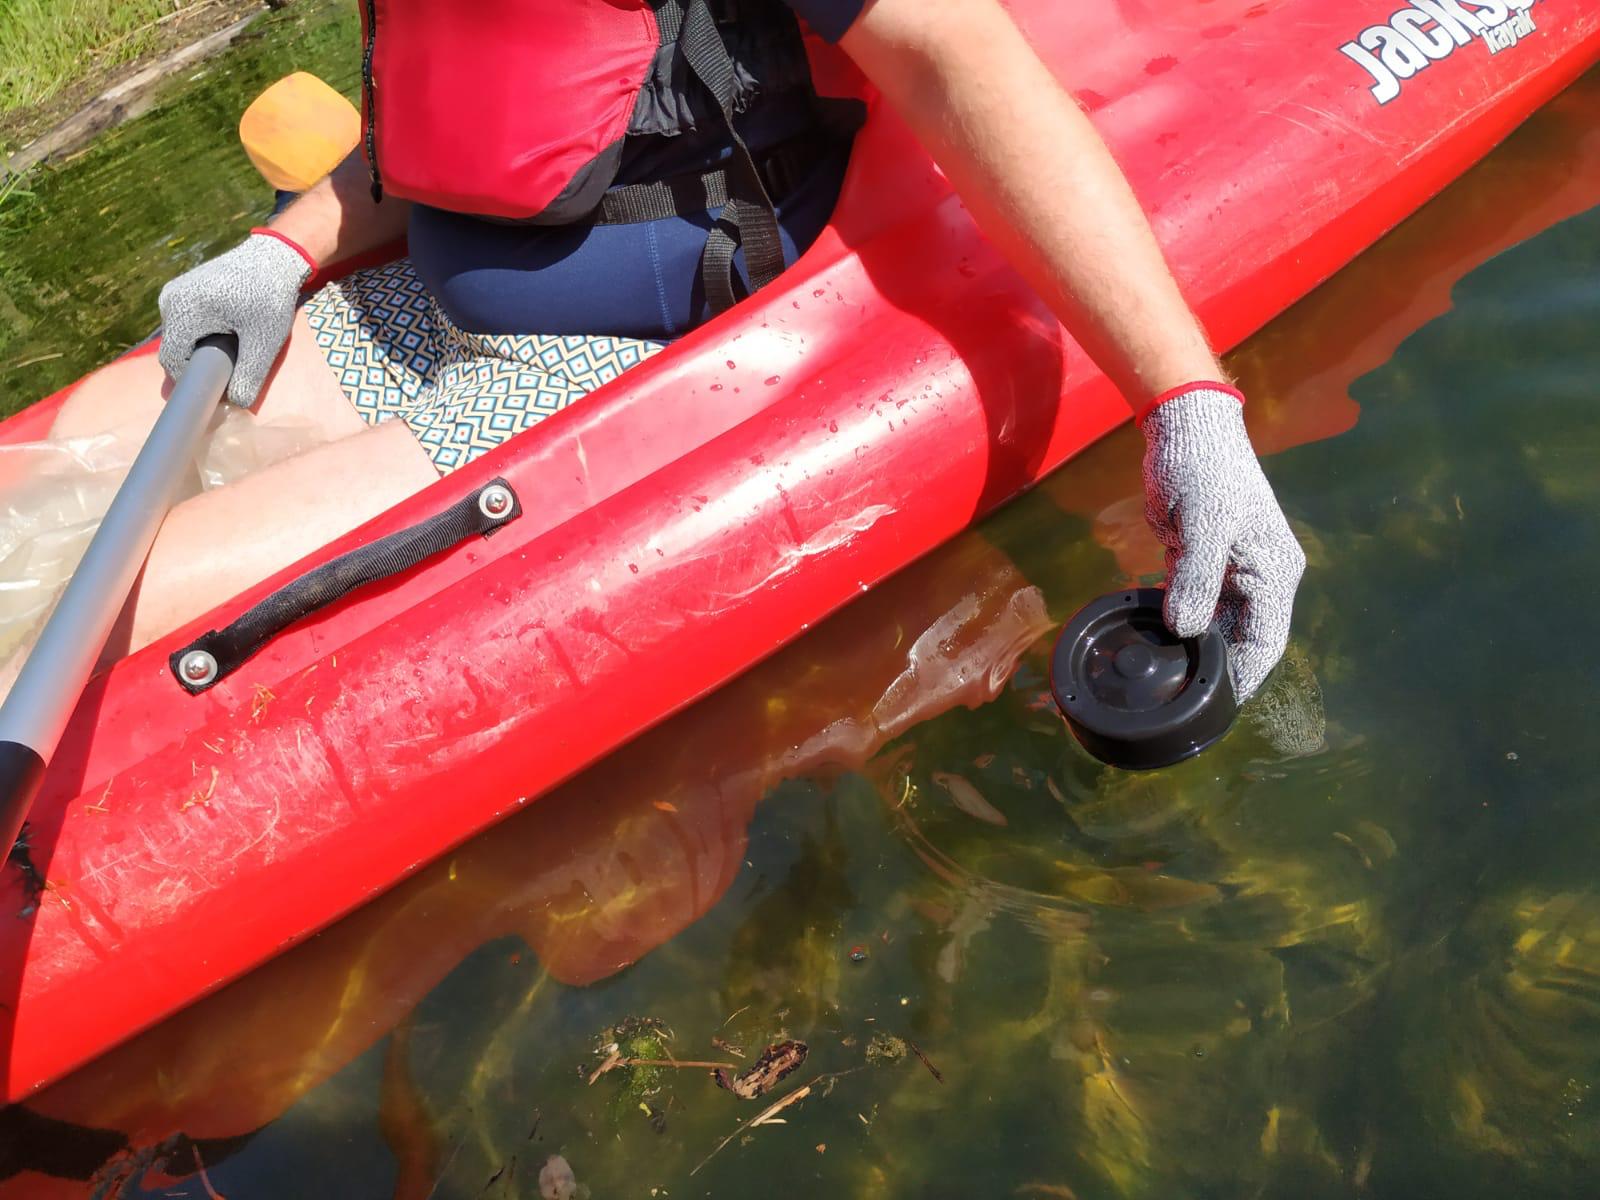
x=54, y=492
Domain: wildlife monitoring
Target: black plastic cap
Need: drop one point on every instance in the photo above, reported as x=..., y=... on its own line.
x=1136, y=695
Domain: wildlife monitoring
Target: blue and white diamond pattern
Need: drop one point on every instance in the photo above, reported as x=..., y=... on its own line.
x=397, y=355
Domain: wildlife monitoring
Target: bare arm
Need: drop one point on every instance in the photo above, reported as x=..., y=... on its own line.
x=1039, y=180
x=337, y=217
x=1044, y=187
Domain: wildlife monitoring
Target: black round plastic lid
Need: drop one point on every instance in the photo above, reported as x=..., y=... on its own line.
x=1134, y=694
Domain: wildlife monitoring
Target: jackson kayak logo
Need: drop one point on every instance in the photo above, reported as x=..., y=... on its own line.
x=1426, y=31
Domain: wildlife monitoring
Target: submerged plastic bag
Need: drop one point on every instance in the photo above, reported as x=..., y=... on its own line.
x=54, y=492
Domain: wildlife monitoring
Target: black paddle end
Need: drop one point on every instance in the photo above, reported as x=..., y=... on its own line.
x=21, y=773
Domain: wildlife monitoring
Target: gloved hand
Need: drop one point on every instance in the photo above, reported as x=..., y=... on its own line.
x=250, y=291
x=1230, y=553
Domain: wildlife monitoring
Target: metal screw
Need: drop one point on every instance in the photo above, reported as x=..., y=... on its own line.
x=495, y=501
x=198, y=667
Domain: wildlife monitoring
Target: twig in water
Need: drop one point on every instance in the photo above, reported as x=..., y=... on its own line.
x=925, y=1060
x=764, y=1117
x=616, y=1060
x=766, y=1114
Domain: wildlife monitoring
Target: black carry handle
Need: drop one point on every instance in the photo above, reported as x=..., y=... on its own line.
x=212, y=657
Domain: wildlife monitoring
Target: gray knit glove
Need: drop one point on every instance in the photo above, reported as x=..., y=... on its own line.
x=1230, y=553
x=250, y=291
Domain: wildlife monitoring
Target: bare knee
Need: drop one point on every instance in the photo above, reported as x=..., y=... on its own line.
x=215, y=545
x=124, y=396
x=303, y=390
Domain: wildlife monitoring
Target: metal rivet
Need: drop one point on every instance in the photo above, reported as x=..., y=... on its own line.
x=495, y=501
x=197, y=667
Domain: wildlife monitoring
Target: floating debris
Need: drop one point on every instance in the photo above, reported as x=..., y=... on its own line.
x=656, y=1116
x=886, y=1048
x=637, y=1045
x=858, y=954
x=727, y=1047
x=556, y=1180
x=969, y=799
x=925, y=1061
x=764, y=1117
x=774, y=1065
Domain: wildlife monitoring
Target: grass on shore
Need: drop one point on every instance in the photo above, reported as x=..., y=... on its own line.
x=45, y=45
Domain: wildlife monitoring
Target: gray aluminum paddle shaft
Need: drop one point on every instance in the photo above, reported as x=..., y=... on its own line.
x=61, y=661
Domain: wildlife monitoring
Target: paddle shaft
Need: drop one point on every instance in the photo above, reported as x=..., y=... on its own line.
x=51, y=681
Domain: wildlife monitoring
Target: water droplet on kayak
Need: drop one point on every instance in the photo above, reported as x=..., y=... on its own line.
x=716, y=387
x=771, y=379
x=816, y=291
x=967, y=271
x=833, y=427
x=730, y=364
x=634, y=567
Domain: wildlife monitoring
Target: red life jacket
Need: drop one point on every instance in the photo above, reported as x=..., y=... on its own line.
x=518, y=109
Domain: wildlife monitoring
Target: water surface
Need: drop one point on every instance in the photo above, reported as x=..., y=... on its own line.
x=86, y=244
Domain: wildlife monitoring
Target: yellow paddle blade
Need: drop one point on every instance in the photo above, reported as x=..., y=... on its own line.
x=298, y=130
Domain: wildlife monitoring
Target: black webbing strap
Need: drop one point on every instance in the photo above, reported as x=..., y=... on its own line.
x=748, y=218
x=683, y=196
x=691, y=195
x=215, y=655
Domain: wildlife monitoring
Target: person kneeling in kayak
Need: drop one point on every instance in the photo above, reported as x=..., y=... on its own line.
x=589, y=180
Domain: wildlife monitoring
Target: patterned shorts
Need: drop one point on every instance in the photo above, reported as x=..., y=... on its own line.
x=398, y=356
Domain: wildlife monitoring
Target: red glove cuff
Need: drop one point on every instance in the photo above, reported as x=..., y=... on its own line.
x=289, y=242
x=1204, y=385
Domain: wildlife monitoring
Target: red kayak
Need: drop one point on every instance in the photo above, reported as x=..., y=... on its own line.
x=687, y=520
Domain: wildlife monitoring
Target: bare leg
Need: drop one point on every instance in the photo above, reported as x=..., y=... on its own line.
x=216, y=544
x=127, y=395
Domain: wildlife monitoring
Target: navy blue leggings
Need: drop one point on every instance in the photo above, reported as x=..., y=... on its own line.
x=638, y=281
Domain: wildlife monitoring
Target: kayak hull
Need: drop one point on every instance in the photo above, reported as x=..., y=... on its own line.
x=688, y=520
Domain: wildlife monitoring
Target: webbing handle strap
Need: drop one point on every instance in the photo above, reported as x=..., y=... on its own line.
x=781, y=170
x=749, y=218
x=216, y=654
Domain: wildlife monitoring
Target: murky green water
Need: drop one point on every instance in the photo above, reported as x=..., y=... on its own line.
x=1352, y=952
x=85, y=245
